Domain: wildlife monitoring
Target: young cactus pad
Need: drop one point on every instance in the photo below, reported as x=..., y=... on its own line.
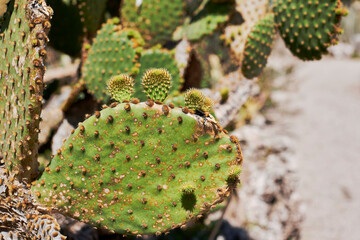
x=22, y=45
x=121, y=87
x=156, y=83
x=141, y=169
x=156, y=58
x=113, y=52
x=309, y=27
x=258, y=47
x=196, y=100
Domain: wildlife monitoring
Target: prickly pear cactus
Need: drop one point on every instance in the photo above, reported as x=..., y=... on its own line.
x=113, y=52
x=125, y=169
x=209, y=19
x=142, y=168
x=156, y=20
x=156, y=58
x=23, y=39
x=309, y=27
x=258, y=47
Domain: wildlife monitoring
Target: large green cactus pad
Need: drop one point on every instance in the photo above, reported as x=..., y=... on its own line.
x=113, y=52
x=156, y=58
x=258, y=47
x=308, y=27
x=22, y=46
x=141, y=169
x=156, y=20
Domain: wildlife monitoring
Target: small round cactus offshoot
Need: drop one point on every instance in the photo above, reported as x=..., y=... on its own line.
x=156, y=83
x=196, y=100
x=121, y=87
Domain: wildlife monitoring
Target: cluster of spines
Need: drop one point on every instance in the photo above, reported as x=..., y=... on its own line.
x=21, y=78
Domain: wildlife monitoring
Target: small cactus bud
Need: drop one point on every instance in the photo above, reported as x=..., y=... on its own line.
x=196, y=100
x=156, y=83
x=188, y=188
x=121, y=87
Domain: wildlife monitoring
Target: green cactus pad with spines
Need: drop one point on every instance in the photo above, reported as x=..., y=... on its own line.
x=308, y=27
x=114, y=51
x=121, y=87
x=258, y=47
x=91, y=13
x=205, y=22
x=23, y=39
x=156, y=20
x=156, y=83
x=156, y=58
x=124, y=169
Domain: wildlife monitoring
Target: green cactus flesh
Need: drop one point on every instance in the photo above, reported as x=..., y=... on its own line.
x=114, y=51
x=141, y=169
x=156, y=20
x=156, y=58
x=23, y=39
x=205, y=22
x=308, y=27
x=258, y=47
x=91, y=12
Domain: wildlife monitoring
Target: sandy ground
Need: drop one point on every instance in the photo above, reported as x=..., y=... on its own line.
x=326, y=123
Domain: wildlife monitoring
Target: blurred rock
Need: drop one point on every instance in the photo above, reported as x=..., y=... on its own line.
x=52, y=115
x=62, y=133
